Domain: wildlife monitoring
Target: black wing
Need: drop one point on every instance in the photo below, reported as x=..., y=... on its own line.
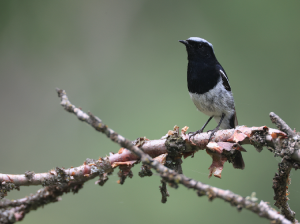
x=224, y=77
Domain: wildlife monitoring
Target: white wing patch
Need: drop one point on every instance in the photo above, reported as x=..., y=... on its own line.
x=225, y=80
x=224, y=75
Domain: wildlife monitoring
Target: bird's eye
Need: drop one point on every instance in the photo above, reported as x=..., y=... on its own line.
x=200, y=46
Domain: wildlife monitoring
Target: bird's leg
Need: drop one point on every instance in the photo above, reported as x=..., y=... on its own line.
x=201, y=130
x=217, y=128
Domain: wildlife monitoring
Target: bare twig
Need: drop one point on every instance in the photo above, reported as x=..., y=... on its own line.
x=281, y=125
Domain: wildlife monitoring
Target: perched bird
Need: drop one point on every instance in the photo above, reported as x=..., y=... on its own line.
x=208, y=85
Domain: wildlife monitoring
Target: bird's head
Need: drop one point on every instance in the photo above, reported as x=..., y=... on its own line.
x=198, y=48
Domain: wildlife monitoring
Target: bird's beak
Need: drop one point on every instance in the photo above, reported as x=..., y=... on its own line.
x=184, y=42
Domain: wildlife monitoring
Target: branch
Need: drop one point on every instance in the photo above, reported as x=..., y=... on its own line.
x=280, y=186
x=227, y=146
x=281, y=125
x=42, y=197
x=172, y=177
x=257, y=136
x=289, y=150
x=56, y=182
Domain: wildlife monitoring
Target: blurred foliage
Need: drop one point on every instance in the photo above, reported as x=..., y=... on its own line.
x=122, y=61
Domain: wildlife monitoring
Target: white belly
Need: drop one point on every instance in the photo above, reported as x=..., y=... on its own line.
x=215, y=102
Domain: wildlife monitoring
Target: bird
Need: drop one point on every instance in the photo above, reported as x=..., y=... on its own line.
x=208, y=85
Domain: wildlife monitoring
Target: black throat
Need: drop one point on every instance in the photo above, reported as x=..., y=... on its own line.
x=202, y=76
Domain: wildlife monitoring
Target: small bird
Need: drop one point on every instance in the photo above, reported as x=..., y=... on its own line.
x=208, y=85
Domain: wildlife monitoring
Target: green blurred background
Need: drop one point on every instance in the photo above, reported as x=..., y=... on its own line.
x=122, y=61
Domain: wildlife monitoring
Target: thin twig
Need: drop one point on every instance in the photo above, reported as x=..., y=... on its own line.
x=281, y=125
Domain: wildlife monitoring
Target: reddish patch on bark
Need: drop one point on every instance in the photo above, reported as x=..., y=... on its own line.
x=127, y=163
x=86, y=169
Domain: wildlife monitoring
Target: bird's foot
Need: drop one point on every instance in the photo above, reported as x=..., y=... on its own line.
x=194, y=133
x=212, y=133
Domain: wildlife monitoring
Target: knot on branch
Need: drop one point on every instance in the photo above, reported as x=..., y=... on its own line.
x=175, y=145
x=287, y=147
x=104, y=169
x=174, y=163
x=296, y=165
x=29, y=175
x=125, y=171
x=293, y=145
x=7, y=187
x=145, y=171
x=258, y=139
x=57, y=178
x=61, y=175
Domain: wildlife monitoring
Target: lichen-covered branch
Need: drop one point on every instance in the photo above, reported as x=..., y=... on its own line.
x=288, y=149
x=280, y=186
x=55, y=182
x=226, y=145
x=16, y=210
x=174, y=178
x=155, y=148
